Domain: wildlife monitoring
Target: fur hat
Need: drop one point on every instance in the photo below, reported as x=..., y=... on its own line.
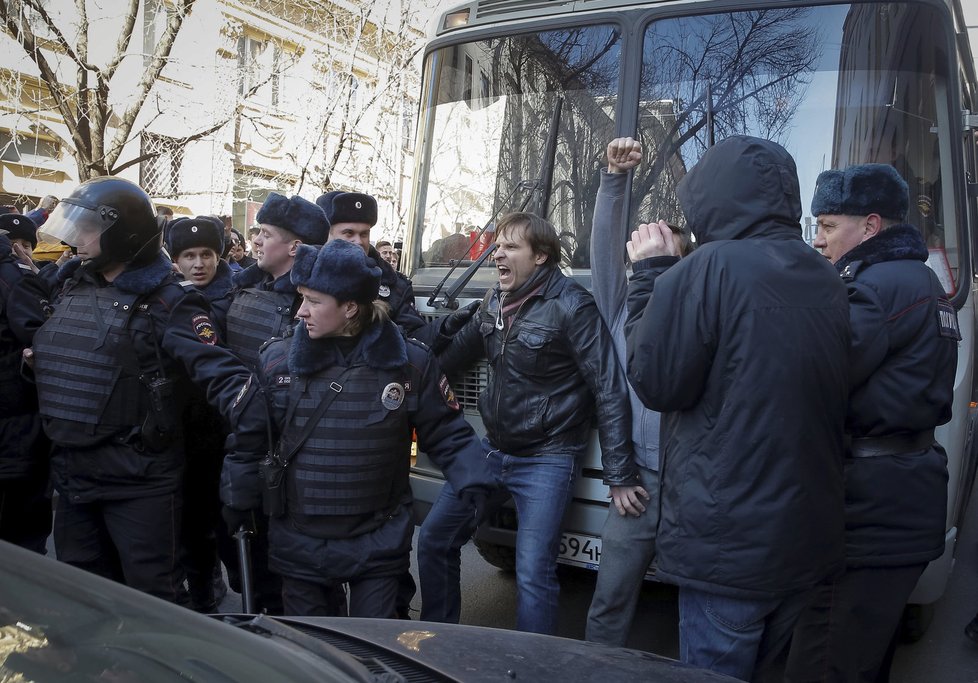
x=861, y=190
x=189, y=233
x=297, y=215
x=18, y=225
x=340, y=268
x=349, y=207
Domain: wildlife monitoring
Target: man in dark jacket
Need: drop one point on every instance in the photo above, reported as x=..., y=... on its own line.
x=25, y=507
x=112, y=366
x=904, y=356
x=552, y=367
x=743, y=348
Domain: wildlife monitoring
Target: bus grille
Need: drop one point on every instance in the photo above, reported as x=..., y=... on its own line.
x=470, y=385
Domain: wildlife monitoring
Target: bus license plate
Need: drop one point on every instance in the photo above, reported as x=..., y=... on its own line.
x=583, y=551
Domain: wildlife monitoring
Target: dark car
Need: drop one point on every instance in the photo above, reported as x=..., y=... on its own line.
x=58, y=623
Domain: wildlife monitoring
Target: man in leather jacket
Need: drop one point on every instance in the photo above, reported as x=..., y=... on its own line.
x=552, y=368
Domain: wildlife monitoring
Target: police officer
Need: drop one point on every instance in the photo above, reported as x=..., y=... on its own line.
x=25, y=508
x=265, y=300
x=112, y=363
x=347, y=390
x=264, y=304
x=904, y=356
x=195, y=245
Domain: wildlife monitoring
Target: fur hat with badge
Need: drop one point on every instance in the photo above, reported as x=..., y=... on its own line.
x=861, y=190
x=17, y=225
x=349, y=207
x=297, y=215
x=192, y=233
x=340, y=269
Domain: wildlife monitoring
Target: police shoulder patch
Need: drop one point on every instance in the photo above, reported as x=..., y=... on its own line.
x=448, y=393
x=204, y=328
x=947, y=320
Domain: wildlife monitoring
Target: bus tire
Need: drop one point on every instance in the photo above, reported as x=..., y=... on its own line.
x=499, y=556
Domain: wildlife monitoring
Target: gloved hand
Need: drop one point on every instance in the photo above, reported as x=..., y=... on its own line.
x=456, y=321
x=475, y=498
x=235, y=519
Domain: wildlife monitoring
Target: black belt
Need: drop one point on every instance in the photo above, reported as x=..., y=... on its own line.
x=898, y=444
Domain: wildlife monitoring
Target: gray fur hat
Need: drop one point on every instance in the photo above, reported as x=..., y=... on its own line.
x=861, y=190
x=189, y=233
x=349, y=207
x=340, y=268
x=297, y=215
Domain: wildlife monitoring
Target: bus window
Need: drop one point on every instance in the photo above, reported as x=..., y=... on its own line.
x=835, y=85
x=488, y=118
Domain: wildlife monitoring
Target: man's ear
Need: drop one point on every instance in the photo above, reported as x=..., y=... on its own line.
x=540, y=259
x=873, y=226
x=294, y=248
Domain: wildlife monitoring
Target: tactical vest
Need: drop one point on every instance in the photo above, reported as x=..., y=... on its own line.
x=86, y=368
x=350, y=462
x=255, y=316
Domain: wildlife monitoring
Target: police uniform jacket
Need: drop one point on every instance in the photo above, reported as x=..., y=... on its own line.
x=551, y=372
x=744, y=348
x=95, y=359
x=21, y=449
x=904, y=357
x=350, y=476
x=262, y=307
x=219, y=295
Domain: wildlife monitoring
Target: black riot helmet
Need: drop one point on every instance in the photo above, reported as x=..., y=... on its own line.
x=117, y=212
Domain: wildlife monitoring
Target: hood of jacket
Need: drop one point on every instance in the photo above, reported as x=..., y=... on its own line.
x=743, y=187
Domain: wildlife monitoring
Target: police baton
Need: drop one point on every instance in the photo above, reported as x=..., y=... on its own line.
x=243, y=537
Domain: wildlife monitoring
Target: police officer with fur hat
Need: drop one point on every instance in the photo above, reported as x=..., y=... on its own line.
x=124, y=339
x=903, y=360
x=263, y=306
x=347, y=389
x=20, y=230
x=196, y=245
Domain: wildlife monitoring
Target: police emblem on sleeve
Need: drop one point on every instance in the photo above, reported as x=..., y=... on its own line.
x=384, y=291
x=393, y=396
x=447, y=393
x=204, y=328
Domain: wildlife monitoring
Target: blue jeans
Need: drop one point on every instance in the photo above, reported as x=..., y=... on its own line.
x=627, y=548
x=735, y=636
x=541, y=488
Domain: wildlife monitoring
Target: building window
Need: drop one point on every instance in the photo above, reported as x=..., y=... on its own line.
x=154, y=25
x=407, y=123
x=159, y=175
x=27, y=148
x=259, y=64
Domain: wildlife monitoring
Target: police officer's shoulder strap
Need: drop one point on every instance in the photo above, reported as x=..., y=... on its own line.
x=849, y=272
x=296, y=388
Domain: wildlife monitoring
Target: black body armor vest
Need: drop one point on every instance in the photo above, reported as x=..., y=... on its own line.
x=255, y=316
x=351, y=461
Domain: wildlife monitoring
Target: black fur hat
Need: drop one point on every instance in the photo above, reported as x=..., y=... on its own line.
x=18, y=225
x=349, y=207
x=189, y=233
x=861, y=190
x=297, y=215
x=340, y=268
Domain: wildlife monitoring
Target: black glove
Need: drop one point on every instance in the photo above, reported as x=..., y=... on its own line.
x=476, y=499
x=456, y=321
x=235, y=519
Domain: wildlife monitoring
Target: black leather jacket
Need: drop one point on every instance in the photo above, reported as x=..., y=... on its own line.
x=549, y=374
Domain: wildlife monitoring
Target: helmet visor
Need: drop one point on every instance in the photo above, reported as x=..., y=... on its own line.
x=77, y=225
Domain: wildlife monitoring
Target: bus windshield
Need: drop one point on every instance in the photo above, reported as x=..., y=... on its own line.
x=835, y=85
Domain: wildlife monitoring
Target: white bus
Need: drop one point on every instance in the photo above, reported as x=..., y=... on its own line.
x=520, y=98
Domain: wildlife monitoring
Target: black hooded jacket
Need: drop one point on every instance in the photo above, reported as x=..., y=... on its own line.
x=744, y=349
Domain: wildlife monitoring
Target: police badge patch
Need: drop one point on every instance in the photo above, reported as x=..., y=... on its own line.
x=447, y=393
x=384, y=291
x=393, y=396
x=204, y=328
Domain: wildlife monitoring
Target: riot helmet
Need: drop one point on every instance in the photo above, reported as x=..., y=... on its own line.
x=115, y=211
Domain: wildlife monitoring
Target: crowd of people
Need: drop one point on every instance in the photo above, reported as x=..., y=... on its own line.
x=765, y=412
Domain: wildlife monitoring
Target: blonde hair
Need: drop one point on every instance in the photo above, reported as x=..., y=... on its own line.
x=369, y=313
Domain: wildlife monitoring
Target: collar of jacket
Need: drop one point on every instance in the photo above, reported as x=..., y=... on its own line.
x=221, y=284
x=898, y=243
x=381, y=346
x=141, y=280
x=252, y=276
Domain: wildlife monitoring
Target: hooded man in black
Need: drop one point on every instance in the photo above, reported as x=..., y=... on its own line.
x=743, y=348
